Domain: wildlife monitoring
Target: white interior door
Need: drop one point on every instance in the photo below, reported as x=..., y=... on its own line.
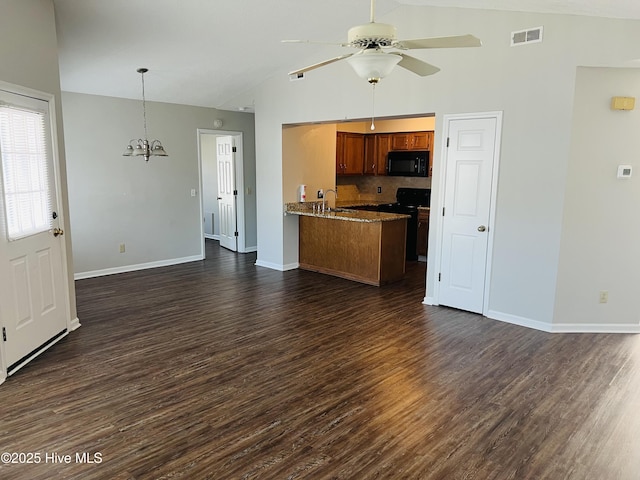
x=33, y=293
x=227, y=192
x=467, y=205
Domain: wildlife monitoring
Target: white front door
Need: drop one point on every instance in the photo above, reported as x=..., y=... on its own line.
x=33, y=291
x=227, y=192
x=466, y=217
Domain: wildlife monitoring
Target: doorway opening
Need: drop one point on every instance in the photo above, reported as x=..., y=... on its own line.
x=210, y=203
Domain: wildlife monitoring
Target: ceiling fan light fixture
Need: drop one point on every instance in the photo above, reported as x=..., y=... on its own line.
x=372, y=65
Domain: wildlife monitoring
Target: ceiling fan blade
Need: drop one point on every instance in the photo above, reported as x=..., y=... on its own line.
x=416, y=66
x=440, y=42
x=314, y=42
x=320, y=64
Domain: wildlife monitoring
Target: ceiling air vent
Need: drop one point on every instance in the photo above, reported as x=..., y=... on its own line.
x=531, y=35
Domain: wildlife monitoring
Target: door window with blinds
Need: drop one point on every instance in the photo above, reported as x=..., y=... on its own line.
x=25, y=152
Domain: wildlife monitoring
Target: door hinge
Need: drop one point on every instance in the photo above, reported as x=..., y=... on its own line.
x=447, y=142
x=443, y=211
x=439, y=277
x=235, y=234
x=233, y=149
x=235, y=192
x=4, y=334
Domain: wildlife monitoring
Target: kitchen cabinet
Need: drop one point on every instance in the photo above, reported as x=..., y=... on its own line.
x=366, y=154
x=369, y=249
x=412, y=141
x=350, y=153
x=423, y=232
x=376, y=147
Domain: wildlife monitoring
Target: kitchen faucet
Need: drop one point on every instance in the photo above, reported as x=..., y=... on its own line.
x=324, y=197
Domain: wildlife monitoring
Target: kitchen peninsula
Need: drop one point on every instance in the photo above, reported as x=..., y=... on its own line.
x=363, y=246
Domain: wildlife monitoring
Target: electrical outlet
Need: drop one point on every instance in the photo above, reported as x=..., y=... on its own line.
x=379, y=189
x=604, y=296
x=321, y=193
x=122, y=248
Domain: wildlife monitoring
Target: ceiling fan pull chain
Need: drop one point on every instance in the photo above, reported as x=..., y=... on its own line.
x=373, y=105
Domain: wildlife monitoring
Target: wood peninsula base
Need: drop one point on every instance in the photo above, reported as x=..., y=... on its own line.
x=371, y=252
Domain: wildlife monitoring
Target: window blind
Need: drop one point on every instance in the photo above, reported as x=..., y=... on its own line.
x=25, y=169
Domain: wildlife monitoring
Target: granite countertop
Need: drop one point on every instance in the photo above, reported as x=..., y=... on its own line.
x=358, y=203
x=306, y=209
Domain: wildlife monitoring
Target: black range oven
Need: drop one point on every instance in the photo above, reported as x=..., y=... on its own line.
x=407, y=202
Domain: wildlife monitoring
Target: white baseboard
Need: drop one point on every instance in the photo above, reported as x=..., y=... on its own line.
x=133, y=268
x=517, y=320
x=563, y=327
x=594, y=328
x=211, y=237
x=74, y=324
x=429, y=301
x=249, y=249
x=277, y=266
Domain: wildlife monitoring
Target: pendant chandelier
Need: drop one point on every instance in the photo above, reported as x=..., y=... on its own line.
x=142, y=146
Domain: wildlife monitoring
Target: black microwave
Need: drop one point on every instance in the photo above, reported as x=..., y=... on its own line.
x=408, y=163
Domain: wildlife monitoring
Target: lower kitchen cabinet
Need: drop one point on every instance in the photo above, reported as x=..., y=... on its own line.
x=371, y=252
x=423, y=231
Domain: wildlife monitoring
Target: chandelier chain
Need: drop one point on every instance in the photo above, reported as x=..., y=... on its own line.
x=144, y=108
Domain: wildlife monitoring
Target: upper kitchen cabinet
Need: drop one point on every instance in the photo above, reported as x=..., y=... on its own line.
x=376, y=149
x=350, y=153
x=412, y=141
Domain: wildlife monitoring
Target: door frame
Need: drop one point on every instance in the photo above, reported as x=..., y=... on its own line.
x=436, y=222
x=239, y=167
x=72, y=324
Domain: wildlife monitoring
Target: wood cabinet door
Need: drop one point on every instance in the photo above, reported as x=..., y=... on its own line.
x=383, y=146
x=369, y=167
x=423, y=232
x=339, y=153
x=353, y=157
x=412, y=141
x=418, y=141
x=400, y=141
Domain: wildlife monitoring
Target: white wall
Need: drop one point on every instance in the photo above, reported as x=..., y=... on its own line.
x=600, y=229
x=29, y=58
x=145, y=205
x=533, y=85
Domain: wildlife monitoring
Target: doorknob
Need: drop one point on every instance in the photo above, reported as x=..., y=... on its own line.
x=482, y=228
x=219, y=198
x=57, y=231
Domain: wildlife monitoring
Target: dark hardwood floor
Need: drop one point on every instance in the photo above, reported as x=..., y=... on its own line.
x=223, y=370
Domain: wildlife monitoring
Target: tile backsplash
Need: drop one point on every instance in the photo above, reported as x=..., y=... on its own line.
x=365, y=187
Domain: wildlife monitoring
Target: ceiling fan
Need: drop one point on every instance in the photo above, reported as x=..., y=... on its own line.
x=373, y=63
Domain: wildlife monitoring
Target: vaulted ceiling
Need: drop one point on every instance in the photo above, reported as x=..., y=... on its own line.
x=210, y=52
